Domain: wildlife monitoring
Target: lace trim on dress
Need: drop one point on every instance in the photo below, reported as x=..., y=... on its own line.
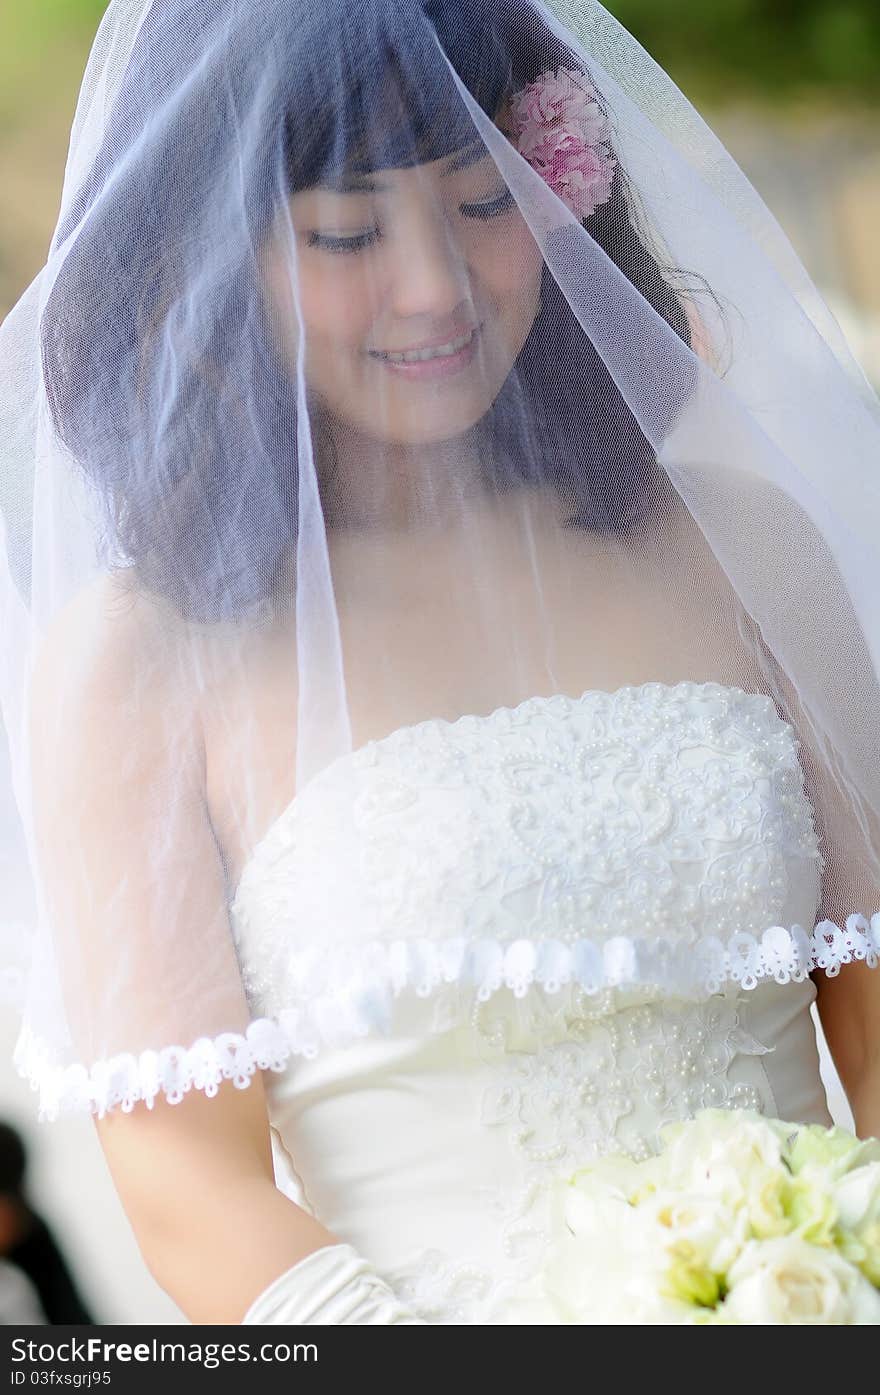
x=334, y=1009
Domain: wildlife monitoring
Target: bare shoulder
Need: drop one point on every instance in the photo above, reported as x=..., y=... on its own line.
x=113, y=661
x=104, y=629
x=719, y=639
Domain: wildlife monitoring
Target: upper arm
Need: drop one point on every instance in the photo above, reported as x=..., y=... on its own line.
x=848, y=837
x=134, y=885
x=848, y=1001
x=126, y=855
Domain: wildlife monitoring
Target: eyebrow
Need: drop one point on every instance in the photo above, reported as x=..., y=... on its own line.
x=347, y=182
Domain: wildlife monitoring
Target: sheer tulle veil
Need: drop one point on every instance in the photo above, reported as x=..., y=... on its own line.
x=393, y=362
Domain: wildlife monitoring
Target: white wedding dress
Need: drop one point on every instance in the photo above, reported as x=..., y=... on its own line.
x=565, y=945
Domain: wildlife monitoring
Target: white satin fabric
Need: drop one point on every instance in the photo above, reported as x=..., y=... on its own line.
x=591, y=916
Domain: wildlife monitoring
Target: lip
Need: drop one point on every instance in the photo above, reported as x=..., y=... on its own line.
x=431, y=343
x=434, y=367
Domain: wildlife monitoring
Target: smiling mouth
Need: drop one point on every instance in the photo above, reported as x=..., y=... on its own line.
x=447, y=350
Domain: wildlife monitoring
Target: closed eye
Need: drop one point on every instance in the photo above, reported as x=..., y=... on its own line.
x=497, y=206
x=356, y=243
x=329, y=242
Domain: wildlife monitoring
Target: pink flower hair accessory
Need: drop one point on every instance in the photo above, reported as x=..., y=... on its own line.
x=562, y=131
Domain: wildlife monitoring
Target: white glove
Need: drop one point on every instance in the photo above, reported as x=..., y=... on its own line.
x=333, y=1285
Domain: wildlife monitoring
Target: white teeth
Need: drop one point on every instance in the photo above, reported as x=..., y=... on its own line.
x=438, y=351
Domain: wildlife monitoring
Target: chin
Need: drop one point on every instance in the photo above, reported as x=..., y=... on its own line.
x=444, y=431
x=430, y=428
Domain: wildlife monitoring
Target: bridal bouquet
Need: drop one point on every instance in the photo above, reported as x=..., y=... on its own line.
x=738, y=1220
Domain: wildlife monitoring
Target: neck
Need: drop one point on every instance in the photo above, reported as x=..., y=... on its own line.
x=391, y=486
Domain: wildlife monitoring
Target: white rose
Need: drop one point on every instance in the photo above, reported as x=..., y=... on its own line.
x=617, y=1175
x=722, y=1153
x=614, y=1286
x=789, y=1282
x=858, y=1197
x=650, y=1263
x=712, y=1232
x=827, y=1153
x=612, y=1269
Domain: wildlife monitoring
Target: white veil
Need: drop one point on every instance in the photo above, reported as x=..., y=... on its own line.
x=244, y=537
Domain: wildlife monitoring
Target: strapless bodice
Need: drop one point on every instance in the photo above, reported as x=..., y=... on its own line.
x=495, y=947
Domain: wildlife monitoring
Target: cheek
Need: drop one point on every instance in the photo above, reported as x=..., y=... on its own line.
x=338, y=308
x=515, y=277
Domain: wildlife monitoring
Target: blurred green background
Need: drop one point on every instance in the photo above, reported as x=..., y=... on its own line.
x=791, y=86
x=770, y=48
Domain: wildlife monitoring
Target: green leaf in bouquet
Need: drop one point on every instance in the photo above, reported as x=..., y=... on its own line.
x=812, y=1210
x=831, y=1150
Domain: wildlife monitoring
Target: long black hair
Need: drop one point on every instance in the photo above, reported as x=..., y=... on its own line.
x=139, y=380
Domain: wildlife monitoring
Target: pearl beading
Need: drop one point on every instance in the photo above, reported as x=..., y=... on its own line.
x=565, y=1090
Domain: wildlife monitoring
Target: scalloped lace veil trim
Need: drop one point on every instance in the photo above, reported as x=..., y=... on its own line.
x=349, y=1010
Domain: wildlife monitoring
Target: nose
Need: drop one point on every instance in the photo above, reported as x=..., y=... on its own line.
x=430, y=275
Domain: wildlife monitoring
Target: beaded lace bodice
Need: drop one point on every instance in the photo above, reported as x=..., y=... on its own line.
x=496, y=947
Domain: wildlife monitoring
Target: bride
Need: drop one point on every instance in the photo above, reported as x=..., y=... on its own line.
x=440, y=650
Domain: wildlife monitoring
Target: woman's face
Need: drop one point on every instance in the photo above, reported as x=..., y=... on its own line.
x=417, y=290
